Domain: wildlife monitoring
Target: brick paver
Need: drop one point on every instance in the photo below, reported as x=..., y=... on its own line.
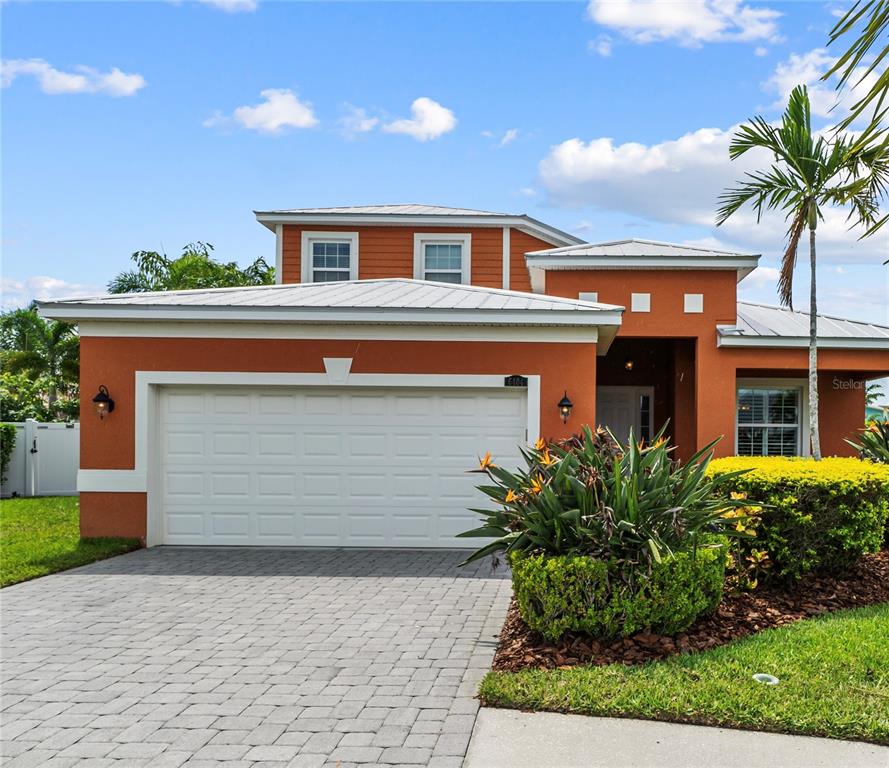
x=188, y=656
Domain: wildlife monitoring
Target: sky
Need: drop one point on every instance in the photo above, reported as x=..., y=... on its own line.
x=148, y=125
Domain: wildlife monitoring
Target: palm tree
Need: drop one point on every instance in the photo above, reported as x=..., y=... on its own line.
x=808, y=174
x=41, y=349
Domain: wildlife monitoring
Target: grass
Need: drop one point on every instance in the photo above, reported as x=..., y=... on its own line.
x=834, y=673
x=42, y=535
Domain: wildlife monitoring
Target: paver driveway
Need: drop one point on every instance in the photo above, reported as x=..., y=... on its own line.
x=233, y=657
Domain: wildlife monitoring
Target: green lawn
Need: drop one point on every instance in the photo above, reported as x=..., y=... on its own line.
x=834, y=674
x=40, y=536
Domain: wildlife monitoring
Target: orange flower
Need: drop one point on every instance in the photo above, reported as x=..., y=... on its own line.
x=485, y=462
x=540, y=444
x=738, y=496
x=536, y=485
x=510, y=497
x=548, y=459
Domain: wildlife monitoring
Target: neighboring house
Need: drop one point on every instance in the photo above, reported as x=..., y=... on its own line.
x=876, y=413
x=347, y=412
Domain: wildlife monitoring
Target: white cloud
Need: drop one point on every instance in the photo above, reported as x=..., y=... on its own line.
x=760, y=51
x=507, y=137
x=356, y=121
x=510, y=136
x=678, y=181
x=20, y=293
x=428, y=120
x=82, y=80
x=759, y=278
x=233, y=6
x=280, y=110
x=690, y=23
x=807, y=69
x=528, y=191
x=602, y=45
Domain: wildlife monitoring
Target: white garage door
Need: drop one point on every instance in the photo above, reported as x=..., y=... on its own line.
x=330, y=467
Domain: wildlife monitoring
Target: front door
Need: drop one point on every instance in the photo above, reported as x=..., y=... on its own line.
x=622, y=408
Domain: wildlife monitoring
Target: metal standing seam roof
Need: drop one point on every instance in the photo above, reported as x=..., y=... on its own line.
x=761, y=324
x=641, y=254
x=404, y=209
x=637, y=247
x=407, y=213
x=386, y=300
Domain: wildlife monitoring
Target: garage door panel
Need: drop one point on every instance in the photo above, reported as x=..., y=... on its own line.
x=185, y=444
x=332, y=468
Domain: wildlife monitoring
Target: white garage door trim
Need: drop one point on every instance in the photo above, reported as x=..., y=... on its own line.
x=143, y=477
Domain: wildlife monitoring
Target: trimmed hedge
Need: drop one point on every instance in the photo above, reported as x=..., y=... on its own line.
x=558, y=594
x=818, y=515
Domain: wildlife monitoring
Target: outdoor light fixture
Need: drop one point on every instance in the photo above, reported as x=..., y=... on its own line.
x=103, y=402
x=628, y=364
x=565, y=406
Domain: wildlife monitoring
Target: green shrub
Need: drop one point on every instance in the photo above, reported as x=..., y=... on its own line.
x=558, y=594
x=629, y=505
x=874, y=443
x=816, y=515
x=7, y=444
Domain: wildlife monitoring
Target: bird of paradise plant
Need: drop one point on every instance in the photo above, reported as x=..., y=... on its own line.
x=630, y=505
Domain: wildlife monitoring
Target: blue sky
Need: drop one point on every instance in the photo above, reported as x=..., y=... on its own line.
x=148, y=125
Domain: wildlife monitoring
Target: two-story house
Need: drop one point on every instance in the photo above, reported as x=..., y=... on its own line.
x=344, y=405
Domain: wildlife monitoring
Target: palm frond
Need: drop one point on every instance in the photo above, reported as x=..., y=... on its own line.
x=788, y=260
x=875, y=17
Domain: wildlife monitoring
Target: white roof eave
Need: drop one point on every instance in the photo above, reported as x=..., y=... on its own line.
x=743, y=265
x=74, y=313
x=797, y=342
x=532, y=226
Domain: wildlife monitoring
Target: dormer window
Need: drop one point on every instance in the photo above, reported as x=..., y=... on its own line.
x=329, y=256
x=444, y=258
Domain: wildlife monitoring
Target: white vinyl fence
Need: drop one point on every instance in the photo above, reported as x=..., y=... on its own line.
x=44, y=460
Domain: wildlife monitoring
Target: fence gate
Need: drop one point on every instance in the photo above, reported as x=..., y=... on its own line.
x=44, y=460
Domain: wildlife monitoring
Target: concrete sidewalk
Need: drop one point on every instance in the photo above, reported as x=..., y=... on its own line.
x=508, y=739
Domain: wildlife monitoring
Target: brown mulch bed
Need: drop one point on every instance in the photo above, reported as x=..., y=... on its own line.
x=737, y=616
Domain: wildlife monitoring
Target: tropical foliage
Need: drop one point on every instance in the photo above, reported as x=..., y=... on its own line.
x=194, y=268
x=7, y=444
x=814, y=516
x=40, y=363
x=808, y=173
x=864, y=57
x=873, y=443
x=628, y=505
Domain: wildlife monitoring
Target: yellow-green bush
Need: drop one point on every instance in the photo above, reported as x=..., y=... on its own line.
x=817, y=515
x=558, y=594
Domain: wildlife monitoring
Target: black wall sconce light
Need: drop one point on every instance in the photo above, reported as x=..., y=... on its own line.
x=565, y=406
x=103, y=402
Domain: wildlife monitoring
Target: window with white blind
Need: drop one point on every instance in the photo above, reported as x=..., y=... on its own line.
x=769, y=421
x=329, y=256
x=444, y=258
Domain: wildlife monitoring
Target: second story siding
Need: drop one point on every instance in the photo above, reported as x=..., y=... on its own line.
x=389, y=251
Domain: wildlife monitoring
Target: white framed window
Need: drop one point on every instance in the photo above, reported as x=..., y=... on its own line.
x=444, y=258
x=771, y=418
x=329, y=256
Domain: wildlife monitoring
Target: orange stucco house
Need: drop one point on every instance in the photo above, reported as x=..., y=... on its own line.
x=343, y=406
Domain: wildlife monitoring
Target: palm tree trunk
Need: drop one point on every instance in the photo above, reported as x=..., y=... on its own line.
x=813, y=354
